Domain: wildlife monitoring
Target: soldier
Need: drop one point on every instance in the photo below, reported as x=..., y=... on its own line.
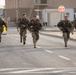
x=34, y=27
x=23, y=25
x=2, y=23
x=66, y=27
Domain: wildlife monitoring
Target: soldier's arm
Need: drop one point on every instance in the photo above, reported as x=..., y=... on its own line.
x=60, y=25
x=4, y=23
x=40, y=24
x=18, y=27
x=71, y=27
x=28, y=22
x=30, y=25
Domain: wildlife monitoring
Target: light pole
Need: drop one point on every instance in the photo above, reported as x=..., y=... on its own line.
x=17, y=9
x=16, y=15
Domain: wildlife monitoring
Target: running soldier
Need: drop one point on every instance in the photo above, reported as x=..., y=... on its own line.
x=2, y=24
x=66, y=27
x=23, y=25
x=34, y=27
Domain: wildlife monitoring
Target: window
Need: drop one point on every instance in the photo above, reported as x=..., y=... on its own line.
x=43, y=1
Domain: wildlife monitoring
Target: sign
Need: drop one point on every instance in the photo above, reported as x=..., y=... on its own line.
x=61, y=8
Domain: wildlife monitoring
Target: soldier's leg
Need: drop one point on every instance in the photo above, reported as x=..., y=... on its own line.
x=37, y=36
x=24, y=37
x=21, y=34
x=34, y=39
x=65, y=38
x=20, y=38
x=68, y=35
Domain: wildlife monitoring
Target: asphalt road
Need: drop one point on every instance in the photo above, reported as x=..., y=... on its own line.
x=49, y=58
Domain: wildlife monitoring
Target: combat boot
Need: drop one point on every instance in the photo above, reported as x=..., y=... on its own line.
x=34, y=44
x=65, y=44
x=24, y=43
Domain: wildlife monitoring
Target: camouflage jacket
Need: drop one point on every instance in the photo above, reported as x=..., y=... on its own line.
x=1, y=25
x=65, y=26
x=35, y=25
x=23, y=23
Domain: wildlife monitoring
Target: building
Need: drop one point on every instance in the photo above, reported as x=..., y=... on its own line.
x=15, y=8
x=2, y=12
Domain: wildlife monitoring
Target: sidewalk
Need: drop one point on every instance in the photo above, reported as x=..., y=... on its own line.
x=55, y=32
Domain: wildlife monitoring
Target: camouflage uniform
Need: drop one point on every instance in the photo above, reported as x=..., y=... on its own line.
x=74, y=24
x=66, y=28
x=1, y=27
x=34, y=27
x=23, y=25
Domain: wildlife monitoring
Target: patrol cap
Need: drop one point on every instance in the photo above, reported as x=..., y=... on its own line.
x=23, y=14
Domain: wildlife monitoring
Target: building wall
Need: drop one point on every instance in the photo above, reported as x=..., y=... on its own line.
x=11, y=4
x=10, y=9
x=66, y=3
x=17, y=7
x=26, y=6
x=25, y=3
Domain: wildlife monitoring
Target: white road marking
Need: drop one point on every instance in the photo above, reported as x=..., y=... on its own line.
x=60, y=71
x=48, y=51
x=33, y=70
x=8, y=69
x=64, y=57
x=37, y=70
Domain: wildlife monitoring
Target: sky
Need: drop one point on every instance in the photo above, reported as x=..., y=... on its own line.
x=2, y=2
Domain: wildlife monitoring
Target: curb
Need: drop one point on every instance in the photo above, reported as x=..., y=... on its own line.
x=56, y=36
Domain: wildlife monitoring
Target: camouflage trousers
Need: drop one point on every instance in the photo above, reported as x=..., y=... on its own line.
x=23, y=36
x=66, y=36
x=35, y=36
